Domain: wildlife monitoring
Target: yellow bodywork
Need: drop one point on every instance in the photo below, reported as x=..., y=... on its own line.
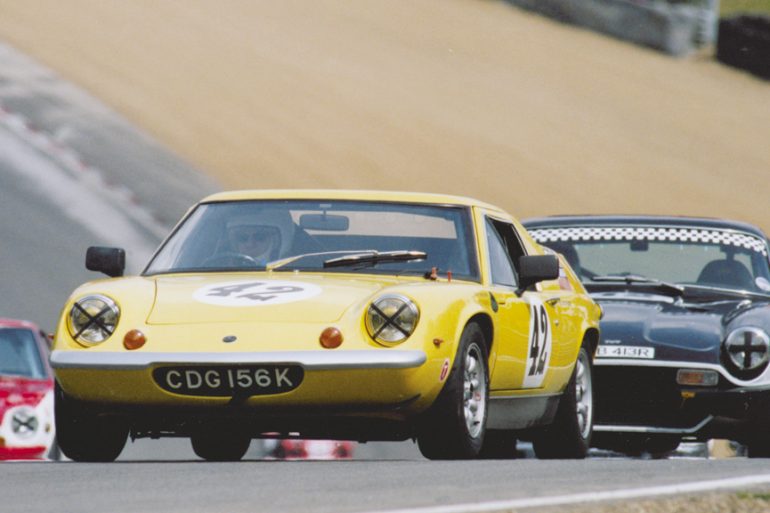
x=361, y=376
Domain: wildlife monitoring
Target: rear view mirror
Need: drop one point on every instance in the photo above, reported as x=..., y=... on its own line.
x=110, y=261
x=537, y=268
x=324, y=222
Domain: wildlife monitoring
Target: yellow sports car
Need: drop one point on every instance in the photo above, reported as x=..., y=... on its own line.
x=347, y=315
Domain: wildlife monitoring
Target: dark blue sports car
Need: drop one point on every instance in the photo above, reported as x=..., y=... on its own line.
x=685, y=339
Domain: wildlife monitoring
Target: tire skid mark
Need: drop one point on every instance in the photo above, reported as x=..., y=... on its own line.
x=78, y=190
x=73, y=164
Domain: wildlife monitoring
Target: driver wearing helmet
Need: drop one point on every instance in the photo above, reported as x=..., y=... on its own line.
x=256, y=241
x=263, y=237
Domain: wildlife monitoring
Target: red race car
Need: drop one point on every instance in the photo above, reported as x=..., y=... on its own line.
x=26, y=393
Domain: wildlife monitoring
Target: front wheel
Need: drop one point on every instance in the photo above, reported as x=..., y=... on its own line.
x=83, y=434
x=758, y=445
x=454, y=427
x=214, y=445
x=569, y=436
x=499, y=445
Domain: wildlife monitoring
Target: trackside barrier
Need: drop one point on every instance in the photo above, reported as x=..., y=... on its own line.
x=677, y=28
x=744, y=42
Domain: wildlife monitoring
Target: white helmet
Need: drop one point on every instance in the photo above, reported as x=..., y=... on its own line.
x=265, y=235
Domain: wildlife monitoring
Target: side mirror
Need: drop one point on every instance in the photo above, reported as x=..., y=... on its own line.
x=110, y=261
x=537, y=268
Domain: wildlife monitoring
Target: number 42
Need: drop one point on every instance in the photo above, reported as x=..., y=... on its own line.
x=538, y=351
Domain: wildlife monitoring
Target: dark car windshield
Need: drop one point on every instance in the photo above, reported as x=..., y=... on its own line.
x=702, y=257
x=20, y=354
x=307, y=235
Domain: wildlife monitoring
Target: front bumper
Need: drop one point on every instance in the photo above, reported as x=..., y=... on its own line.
x=365, y=380
x=23, y=453
x=648, y=400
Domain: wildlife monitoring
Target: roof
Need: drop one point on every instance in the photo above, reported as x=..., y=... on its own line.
x=17, y=323
x=345, y=194
x=642, y=220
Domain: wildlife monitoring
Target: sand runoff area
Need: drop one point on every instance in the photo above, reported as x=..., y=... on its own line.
x=471, y=97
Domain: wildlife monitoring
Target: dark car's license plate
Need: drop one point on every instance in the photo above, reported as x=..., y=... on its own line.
x=224, y=381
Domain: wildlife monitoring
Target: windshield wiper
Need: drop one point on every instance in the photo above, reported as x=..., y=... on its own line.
x=375, y=257
x=700, y=290
x=276, y=264
x=631, y=279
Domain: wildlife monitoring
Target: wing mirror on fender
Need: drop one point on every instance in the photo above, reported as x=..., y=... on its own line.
x=110, y=261
x=536, y=268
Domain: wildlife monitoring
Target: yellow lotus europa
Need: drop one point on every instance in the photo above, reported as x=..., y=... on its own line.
x=347, y=315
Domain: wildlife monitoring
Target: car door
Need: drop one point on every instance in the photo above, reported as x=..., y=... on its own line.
x=523, y=341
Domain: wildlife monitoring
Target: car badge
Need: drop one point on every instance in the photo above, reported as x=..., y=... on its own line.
x=229, y=338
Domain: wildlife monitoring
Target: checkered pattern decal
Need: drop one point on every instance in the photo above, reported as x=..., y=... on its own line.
x=596, y=233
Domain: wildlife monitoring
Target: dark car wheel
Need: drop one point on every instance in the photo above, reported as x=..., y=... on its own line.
x=499, y=445
x=570, y=434
x=661, y=446
x=454, y=427
x=217, y=445
x=758, y=446
x=83, y=434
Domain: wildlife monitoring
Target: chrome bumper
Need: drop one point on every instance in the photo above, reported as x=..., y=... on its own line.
x=310, y=360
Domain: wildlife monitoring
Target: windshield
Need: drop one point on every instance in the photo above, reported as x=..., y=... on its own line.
x=308, y=235
x=685, y=256
x=19, y=354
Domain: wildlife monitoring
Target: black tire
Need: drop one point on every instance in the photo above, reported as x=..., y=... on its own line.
x=569, y=436
x=744, y=42
x=454, y=426
x=499, y=445
x=623, y=443
x=758, y=446
x=220, y=445
x=661, y=447
x=83, y=434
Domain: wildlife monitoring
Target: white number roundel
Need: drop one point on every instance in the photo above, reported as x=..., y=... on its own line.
x=255, y=293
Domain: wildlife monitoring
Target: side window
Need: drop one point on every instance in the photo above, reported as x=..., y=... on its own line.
x=500, y=262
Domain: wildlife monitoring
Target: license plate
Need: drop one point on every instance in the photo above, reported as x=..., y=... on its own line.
x=625, y=352
x=226, y=381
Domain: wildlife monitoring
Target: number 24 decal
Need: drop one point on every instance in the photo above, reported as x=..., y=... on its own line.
x=539, y=350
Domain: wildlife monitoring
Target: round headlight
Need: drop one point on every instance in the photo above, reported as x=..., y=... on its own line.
x=748, y=350
x=391, y=319
x=24, y=422
x=93, y=319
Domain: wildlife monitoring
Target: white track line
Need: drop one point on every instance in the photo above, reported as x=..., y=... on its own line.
x=589, y=497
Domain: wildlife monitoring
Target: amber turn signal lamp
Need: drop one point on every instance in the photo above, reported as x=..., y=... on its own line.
x=696, y=377
x=134, y=339
x=331, y=338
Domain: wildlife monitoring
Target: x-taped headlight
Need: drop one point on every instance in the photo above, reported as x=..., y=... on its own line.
x=391, y=319
x=24, y=422
x=92, y=319
x=747, y=351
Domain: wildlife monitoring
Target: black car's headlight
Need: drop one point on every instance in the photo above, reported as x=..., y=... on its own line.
x=92, y=319
x=747, y=351
x=390, y=319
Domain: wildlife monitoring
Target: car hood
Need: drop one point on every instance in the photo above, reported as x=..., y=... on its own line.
x=259, y=298
x=677, y=330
